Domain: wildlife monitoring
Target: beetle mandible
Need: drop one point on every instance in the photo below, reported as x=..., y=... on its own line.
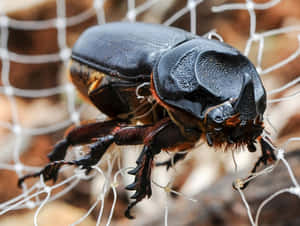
x=182, y=87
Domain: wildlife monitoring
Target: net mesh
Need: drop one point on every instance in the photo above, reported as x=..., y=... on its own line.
x=111, y=168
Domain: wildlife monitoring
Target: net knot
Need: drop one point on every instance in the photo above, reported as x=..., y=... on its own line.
x=30, y=204
x=98, y=4
x=131, y=15
x=280, y=154
x=4, y=54
x=295, y=191
x=4, y=21
x=250, y=5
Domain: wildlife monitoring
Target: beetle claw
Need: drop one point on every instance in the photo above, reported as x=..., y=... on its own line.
x=141, y=184
x=134, y=171
x=127, y=212
x=131, y=187
x=49, y=172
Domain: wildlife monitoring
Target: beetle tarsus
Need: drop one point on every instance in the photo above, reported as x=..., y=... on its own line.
x=135, y=170
x=49, y=172
x=127, y=211
x=97, y=150
x=267, y=155
x=142, y=183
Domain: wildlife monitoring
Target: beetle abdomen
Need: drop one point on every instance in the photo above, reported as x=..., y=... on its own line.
x=111, y=95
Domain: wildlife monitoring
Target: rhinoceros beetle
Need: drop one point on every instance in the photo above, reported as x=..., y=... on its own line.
x=182, y=87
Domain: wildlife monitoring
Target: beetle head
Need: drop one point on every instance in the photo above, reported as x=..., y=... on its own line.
x=236, y=121
x=217, y=115
x=225, y=125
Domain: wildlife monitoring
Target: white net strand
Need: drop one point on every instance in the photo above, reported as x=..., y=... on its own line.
x=292, y=190
x=94, y=205
x=253, y=36
x=189, y=8
x=25, y=200
x=9, y=92
x=285, y=87
x=247, y=206
x=98, y=6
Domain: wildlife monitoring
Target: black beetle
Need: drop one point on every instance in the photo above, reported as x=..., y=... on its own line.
x=182, y=87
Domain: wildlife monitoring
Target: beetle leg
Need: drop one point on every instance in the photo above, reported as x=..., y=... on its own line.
x=121, y=134
x=102, y=134
x=164, y=135
x=172, y=161
x=97, y=150
x=154, y=137
x=267, y=155
x=142, y=181
x=50, y=171
x=267, y=149
x=83, y=134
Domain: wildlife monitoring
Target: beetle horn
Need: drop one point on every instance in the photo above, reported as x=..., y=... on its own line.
x=245, y=104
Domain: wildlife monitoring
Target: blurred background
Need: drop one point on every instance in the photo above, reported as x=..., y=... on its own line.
x=37, y=104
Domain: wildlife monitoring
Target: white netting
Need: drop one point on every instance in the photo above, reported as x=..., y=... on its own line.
x=31, y=196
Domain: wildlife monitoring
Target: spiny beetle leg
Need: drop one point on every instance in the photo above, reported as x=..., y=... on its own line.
x=107, y=132
x=97, y=150
x=267, y=149
x=267, y=155
x=172, y=161
x=49, y=172
x=82, y=134
x=142, y=182
x=163, y=135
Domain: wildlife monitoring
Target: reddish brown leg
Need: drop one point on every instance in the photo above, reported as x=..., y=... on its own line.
x=50, y=171
x=267, y=155
x=164, y=134
x=83, y=134
x=102, y=134
x=142, y=181
x=161, y=136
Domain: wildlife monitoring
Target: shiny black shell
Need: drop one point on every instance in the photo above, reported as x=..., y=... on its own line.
x=189, y=72
x=201, y=73
x=126, y=50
